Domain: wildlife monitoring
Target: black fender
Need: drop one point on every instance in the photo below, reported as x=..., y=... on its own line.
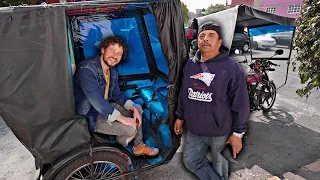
x=81, y=151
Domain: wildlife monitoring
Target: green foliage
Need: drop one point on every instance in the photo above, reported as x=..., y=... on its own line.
x=185, y=12
x=307, y=41
x=4, y=3
x=216, y=8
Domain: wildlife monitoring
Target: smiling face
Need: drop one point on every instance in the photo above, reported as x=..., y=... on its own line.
x=209, y=42
x=112, y=55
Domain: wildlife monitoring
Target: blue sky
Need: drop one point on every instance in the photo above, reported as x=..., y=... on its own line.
x=199, y=4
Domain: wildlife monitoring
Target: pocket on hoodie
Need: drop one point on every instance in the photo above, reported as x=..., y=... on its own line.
x=201, y=123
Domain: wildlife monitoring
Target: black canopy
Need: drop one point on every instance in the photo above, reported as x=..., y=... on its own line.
x=250, y=17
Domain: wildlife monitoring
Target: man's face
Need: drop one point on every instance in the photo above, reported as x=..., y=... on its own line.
x=208, y=41
x=112, y=54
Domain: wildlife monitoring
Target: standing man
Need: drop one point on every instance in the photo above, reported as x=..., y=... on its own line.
x=214, y=103
x=96, y=83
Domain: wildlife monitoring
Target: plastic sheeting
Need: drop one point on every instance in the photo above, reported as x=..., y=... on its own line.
x=89, y=32
x=174, y=46
x=36, y=99
x=227, y=20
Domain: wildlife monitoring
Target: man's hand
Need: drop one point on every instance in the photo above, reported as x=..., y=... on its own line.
x=178, y=126
x=236, y=144
x=136, y=116
x=128, y=121
x=131, y=122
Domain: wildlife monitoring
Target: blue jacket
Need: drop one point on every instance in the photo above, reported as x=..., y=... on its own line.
x=89, y=87
x=213, y=99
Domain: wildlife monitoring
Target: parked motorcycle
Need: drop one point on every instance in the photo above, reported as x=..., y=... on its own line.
x=262, y=91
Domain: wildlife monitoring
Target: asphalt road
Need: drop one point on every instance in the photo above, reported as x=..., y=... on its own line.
x=283, y=140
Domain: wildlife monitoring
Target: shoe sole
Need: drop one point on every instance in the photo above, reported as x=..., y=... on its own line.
x=146, y=155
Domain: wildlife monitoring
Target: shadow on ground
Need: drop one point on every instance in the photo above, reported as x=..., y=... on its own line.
x=277, y=144
x=274, y=142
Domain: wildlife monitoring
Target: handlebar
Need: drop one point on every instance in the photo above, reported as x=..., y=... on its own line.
x=266, y=63
x=271, y=63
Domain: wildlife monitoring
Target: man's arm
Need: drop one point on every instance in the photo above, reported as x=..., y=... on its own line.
x=180, y=114
x=180, y=117
x=122, y=99
x=87, y=82
x=238, y=94
x=180, y=110
x=128, y=104
x=240, y=105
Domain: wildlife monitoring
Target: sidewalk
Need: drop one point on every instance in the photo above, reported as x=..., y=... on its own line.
x=307, y=172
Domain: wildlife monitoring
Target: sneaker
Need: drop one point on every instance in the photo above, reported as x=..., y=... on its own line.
x=145, y=150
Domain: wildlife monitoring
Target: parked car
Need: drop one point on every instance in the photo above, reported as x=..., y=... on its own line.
x=283, y=38
x=261, y=40
x=240, y=41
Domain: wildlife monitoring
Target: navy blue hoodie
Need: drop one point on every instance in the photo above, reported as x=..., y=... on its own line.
x=213, y=99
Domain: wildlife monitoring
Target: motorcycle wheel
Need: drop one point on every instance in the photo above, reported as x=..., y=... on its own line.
x=269, y=93
x=107, y=165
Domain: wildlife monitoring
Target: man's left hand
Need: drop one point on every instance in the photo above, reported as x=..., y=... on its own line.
x=236, y=144
x=137, y=116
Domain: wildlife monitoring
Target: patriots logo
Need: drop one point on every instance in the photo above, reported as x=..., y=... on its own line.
x=204, y=77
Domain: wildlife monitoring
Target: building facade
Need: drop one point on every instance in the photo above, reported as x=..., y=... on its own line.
x=288, y=8
x=238, y=2
x=199, y=13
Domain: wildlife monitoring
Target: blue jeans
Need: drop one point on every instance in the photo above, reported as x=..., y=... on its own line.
x=194, y=159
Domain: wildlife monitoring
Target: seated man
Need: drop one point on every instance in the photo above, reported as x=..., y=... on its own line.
x=96, y=82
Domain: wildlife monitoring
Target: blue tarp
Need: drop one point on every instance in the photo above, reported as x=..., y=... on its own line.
x=270, y=30
x=91, y=32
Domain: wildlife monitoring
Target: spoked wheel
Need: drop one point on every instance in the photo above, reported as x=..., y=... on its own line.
x=268, y=95
x=106, y=165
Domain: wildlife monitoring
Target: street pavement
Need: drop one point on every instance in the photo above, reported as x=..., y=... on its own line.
x=284, y=142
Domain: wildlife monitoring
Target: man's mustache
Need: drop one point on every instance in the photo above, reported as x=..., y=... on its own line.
x=205, y=44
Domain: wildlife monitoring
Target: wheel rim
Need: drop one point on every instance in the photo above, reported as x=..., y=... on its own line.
x=268, y=96
x=255, y=45
x=245, y=47
x=102, y=170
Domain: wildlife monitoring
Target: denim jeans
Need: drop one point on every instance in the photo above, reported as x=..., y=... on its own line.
x=194, y=159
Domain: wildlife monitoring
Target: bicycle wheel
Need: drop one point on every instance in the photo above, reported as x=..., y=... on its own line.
x=106, y=165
